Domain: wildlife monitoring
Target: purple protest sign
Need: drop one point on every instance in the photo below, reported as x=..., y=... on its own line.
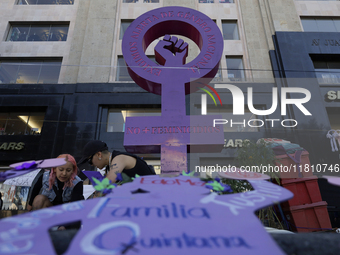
x=174, y=132
x=29, y=166
x=332, y=180
x=161, y=220
x=95, y=174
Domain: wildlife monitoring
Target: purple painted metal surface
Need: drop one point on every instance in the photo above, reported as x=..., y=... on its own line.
x=173, y=132
x=162, y=221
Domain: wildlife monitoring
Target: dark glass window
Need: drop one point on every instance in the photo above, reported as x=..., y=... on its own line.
x=320, y=24
x=29, y=71
x=235, y=68
x=216, y=1
x=218, y=75
x=18, y=33
x=58, y=33
x=38, y=32
x=33, y=2
x=49, y=72
x=117, y=117
x=124, y=24
x=9, y=71
x=21, y=123
x=333, y=116
x=122, y=72
x=230, y=30
x=327, y=72
x=317, y=0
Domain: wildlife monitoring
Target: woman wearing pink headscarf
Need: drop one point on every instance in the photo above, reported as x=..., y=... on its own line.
x=58, y=186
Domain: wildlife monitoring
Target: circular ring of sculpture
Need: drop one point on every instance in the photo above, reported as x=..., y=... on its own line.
x=171, y=20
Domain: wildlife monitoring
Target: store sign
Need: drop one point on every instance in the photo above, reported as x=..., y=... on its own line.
x=333, y=95
x=234, y=143
x=12, y=146
x=326, y=42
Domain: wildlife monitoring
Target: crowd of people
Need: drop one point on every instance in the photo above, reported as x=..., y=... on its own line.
x=62, y=185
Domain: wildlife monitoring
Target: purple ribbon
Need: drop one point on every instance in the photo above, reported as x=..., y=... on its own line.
x=119, y=177
x=27, y=166
x=4, y=176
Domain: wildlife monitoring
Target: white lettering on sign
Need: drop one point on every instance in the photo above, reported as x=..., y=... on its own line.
x=12, y=146
x=238, y=100
x=244, y=200
x=233, y=143
x=333, y=95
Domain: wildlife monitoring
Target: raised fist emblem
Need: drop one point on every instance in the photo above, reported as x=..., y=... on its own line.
x=171, y=51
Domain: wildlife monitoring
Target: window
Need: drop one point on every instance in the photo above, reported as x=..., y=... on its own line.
x=316, y=0
x=144, y=1
x=320, y=24
x=235, y=68
x=218, y=76
x=32, y=2
x=333, y=116
x=21, y=123
x=124, y=24
x=216, y=1
x=116, y=118
x=29, y=71
x=122, y=72
x=38, y=32
x=327, y=68
x=230, y=30
x=156, y=163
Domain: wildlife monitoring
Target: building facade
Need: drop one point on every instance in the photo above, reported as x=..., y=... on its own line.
x=63, y=80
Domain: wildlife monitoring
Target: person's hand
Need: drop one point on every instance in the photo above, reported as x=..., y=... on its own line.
x=61, y=228
x=29, y=207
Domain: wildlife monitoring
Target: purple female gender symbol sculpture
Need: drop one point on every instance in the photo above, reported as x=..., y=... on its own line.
x=174, y=130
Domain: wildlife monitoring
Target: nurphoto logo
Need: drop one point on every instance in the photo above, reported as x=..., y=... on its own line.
x=238, y=105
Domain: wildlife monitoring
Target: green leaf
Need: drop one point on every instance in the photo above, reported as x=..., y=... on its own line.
x=188, y=174
x=96, y=180
x=105, y=182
